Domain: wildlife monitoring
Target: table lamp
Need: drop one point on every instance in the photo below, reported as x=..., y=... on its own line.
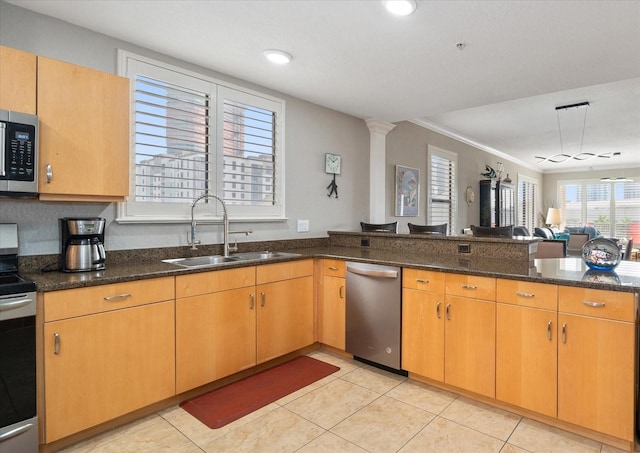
x=553, y=217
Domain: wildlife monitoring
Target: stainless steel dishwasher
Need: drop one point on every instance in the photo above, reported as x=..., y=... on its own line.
x=374, y=312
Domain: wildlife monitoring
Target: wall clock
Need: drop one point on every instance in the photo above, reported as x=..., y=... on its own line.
x=470, y=195
x=332, y=163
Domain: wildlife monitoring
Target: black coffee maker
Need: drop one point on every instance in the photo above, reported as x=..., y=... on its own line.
x=82, y=244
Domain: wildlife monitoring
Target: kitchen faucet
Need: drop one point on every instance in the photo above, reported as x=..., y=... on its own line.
x=225, y=223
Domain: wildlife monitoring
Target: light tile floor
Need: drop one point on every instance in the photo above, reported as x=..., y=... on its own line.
x=357, y=409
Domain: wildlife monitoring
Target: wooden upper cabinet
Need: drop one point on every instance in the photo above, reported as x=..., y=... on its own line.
x=17, y=80
x=84, y=133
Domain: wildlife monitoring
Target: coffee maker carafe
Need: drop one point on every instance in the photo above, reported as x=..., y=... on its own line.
x=82, y=242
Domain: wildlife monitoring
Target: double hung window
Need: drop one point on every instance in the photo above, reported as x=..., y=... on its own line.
x=191, y=135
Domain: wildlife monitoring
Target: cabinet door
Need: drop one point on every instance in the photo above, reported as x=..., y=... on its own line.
x=526, y=358
x=285, y=317
x=107, y=365
x=423, y=333
x=206, y=326
x=84, y=132
x=596, y=369
x=17, y=80
x=332, y=310
x=470, y=342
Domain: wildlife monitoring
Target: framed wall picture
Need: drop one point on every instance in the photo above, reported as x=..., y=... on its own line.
x=407, y=191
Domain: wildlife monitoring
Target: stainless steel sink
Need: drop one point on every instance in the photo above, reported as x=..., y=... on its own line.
x=202, y=261
x=214, y=260
x=264, y=255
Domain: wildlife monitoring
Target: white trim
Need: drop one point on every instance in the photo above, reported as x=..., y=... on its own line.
x=440, y=130
x=140, y=212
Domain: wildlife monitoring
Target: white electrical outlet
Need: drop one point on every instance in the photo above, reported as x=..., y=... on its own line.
x=303, y=226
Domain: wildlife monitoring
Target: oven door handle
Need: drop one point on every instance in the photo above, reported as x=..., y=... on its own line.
x=3, y=132
x=14, y=303
x=15, y=432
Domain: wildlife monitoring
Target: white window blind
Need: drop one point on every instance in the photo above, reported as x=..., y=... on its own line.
x=527, y=203
x=612, y=207
x=192, y=134
x=442, y=203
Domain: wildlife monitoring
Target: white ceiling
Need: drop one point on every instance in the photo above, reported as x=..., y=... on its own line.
x=521, y=59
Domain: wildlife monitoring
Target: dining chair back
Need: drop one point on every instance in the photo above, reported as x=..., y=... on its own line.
x=380, y=227
x=432, y=229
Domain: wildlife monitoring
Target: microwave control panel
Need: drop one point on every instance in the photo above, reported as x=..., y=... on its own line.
x=20, y=148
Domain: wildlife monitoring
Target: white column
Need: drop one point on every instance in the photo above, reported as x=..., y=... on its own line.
x=378, y=131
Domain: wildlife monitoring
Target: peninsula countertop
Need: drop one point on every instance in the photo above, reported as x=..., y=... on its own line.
x=569, y=271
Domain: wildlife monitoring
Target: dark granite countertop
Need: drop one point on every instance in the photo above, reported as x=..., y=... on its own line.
x=567, y=271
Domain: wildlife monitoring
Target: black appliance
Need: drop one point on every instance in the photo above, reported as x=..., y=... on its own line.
x=18, y=154
x=82, y=244
x=18, y=418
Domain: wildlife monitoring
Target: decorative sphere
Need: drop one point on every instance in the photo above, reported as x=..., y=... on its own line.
x=601, y=254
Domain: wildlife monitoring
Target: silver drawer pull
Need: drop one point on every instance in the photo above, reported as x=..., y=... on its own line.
x=263, y=299
x=448, y=311
x=564, y=332
x=549, y=331
x=421, y=280
x=341, y=292
x=438, y=310
x=117, y=297
x=333, y=268
x=56, y=343
x=468, y=287
x=593, y=304
x=521, y=294
x=251, y=301
x=49, y=173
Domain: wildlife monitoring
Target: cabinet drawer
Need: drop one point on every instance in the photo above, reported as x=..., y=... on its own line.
x=69, y=303
x=471, y=286
x=527, y=294
x=333, y=268
x=598, y=303
x=211, y=282
x=283, y=271
x=423, y=280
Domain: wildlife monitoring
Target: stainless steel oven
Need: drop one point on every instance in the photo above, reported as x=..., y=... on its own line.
x=18, y=416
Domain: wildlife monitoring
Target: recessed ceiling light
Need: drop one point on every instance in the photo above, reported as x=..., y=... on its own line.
x=400, y=7
x=277, y=56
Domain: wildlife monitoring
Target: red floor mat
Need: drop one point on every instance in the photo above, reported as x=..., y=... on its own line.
x=226, y=404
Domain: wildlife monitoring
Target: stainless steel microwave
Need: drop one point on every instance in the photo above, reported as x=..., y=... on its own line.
x=18, y=154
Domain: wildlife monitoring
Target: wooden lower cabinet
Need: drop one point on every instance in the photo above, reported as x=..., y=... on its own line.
x=526, y=358
x=527, y=345
x=285, y=316
x=332, y=308
x=100, y=366
x=206, y=327
x=423, y=333
x=447, y=337
x=596, y=362
x=470, y=344
x=225, y=323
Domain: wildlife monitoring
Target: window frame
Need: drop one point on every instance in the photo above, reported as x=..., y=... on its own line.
x=536, y=201
x=452, y=157
x=132, y=211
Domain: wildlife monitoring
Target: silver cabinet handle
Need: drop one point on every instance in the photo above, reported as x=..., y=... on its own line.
x=262, y=299
x=333, y=268
x=117, y=297
x=438, y=310
x=564, y=332
x=468, y=287
x=56, y=343
x=341, y=292
x=593, y=304
x=421, y=280
x=49, y=173
x=521, y=294
x=448, y=312
x=251, y=301
x=549, y=330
